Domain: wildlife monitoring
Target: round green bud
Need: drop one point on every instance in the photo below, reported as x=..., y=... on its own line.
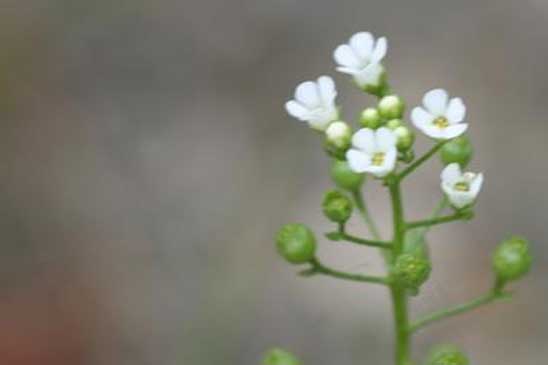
x=391, y=107
x=512, y=259
x=405, y=138
x=458, y=150
x=411, y=271
x=344, y=177
x=394, y=123
x=280, y=357
x=339, y=134
x=296, y=243
x=336, y=206
x=370, y=118
x=447, y=355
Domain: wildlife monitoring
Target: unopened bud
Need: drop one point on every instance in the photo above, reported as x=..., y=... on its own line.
x=296, y=243
x=339, y=134
x=370, y=118
x=391, y=107
x=405, y=138
x=394, y=123
x=512, y=259
x=337, y=207
x=344, y=177
x=458, y=150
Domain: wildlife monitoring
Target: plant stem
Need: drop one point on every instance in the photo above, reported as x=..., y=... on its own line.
x=399, y=296
x=362, y=207
x=434, y=221
x=458, y=309
x=381, y=244
x=420, y=161
x=318, y=267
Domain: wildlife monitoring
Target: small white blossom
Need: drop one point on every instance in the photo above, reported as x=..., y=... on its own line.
x=339, y=133
x=461, y=188
x=315, y=103
x=373, y=151
x=440, y=118
x=361, y=58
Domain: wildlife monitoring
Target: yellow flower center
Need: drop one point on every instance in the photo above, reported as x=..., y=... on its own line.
x=441, y=122
x=378, y=159
x=462, y=186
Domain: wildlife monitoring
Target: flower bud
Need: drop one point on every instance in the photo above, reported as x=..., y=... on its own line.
x=280, y=357
x=394, y=123
x=391, y=107
x=344, y=177
x=447, y=355
x=405, y=138
x=339, y=134
x=296, y=243
x=411, y=271
x=458, y=150
x=337, y=207
x=512, y=259
x=370, y=118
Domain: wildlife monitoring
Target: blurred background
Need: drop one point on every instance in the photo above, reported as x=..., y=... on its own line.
x=147, y=161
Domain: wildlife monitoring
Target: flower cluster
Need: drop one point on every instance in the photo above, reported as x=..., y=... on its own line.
x=385, y=138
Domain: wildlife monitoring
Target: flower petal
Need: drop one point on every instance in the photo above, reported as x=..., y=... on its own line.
x=435, y=101
x=370, y=75
x=345, y=56
x=357, y=160
x=434, y=132
x=460, y=199
x=421, y=117
x=307, y=94
x=327, y=89
x=364, y=139
x=362, y=44
x=296, y=110
x=385, y=139
x=380, y=50
x=451, y=174
x=475, y=186
x=456, y=111
x=454, y=130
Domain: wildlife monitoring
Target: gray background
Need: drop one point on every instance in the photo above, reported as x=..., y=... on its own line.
x=147, y=162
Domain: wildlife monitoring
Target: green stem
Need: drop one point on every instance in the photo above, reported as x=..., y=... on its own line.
x=434, y=221
x=362, y=207
x=420, y=161
x=318, y=267
x=458, y=309
x=399, y=296
x=360, y=241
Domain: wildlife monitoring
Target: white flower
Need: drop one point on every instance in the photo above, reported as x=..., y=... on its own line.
x=361, y=58
x=339, y=133
x=461, y=188
x=373, y=151
x=315, y=103
x=440, y=118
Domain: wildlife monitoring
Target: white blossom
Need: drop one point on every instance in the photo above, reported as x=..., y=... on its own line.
x=361, y=58
x=373, y=151
x=461, y=188
x=440, y=118
x=315, y=103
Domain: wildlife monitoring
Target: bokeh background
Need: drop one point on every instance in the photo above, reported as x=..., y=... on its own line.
x=146, y=162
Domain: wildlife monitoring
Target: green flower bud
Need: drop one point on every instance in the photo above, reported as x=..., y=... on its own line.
x=339, y=134
x=447, y=355
x=337, y=207
x=411, y=271
x=391, y=107
x=296, y=243
x=344, y=177
x=458, y=150
x=512, y=259
x=394, y=123
x=370, y=118
x=405, y=138
x=280, y=357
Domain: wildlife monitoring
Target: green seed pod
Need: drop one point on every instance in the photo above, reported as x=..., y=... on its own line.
x=337, y=207
x=512, y=259
x=458, y=150
x=344, y=177
x=447, y=355
x=391, y=107
x=405, y=138
x=296, y=243
x=411, y=271
x=370, y=118
x=394, y=123
x=280, y=357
